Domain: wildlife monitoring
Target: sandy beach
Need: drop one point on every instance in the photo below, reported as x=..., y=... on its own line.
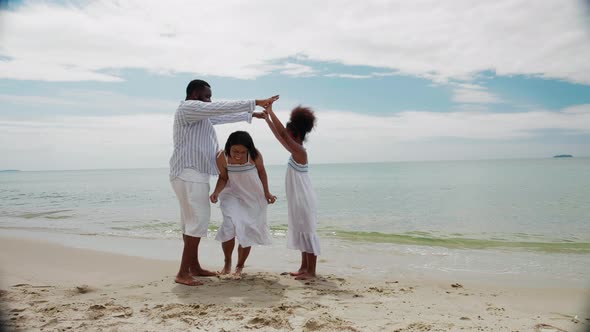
x=50, y=287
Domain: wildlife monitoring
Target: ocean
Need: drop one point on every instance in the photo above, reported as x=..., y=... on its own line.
x=489, y=217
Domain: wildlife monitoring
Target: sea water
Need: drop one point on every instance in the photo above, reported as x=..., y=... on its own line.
x=490, y=216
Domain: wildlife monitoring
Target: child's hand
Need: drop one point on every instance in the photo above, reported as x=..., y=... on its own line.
x=270, y=198
x=214, y=197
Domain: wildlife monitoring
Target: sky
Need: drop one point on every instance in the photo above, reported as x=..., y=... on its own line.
x=94, y=84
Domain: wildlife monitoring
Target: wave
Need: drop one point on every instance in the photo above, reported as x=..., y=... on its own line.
x=47, y=214
x=426, y=239
x=416, y=238
x=515, y=241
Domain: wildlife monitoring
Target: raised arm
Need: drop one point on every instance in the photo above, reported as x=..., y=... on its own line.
x=274, y=130
x=222, y=179
x=196, y=110
x=231, y=118
x=270, y=198
x=283, y=136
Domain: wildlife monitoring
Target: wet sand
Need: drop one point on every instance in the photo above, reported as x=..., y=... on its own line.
x=50, y=287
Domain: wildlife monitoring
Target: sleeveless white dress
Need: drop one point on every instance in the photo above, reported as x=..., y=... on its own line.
x=301, y=203
x=243, y=206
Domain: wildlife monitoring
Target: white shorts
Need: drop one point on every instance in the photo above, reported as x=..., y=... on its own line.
x=195, y=211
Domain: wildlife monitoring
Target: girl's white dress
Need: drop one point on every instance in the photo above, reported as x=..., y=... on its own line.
x=243, y=206
x=301, y=202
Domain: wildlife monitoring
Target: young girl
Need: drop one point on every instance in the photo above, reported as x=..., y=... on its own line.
x=242, y=188
x=301, y=198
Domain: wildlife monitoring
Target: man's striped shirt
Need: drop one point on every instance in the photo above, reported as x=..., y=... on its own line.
x=195, y=141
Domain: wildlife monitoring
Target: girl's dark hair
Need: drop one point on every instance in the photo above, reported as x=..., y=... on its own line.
x=241, y=138
x=302, y=121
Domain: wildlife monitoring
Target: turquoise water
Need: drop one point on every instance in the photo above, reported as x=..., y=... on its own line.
x=540, y=205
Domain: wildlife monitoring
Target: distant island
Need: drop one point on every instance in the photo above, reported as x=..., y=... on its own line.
x=9, y=170
x=563, y=156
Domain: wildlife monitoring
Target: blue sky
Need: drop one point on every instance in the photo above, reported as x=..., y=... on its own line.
x=94, y=84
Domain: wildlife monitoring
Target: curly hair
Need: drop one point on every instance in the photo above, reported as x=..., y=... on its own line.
x=302, y=121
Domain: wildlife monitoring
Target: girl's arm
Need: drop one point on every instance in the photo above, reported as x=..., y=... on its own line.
x=222, y=179
x=296, y=149
x=270, y=198
x=274, y=130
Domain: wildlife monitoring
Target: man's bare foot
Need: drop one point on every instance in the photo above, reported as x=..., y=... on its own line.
x=203, y=273
x=305, y=276
x=298, y=273
x=187, y=280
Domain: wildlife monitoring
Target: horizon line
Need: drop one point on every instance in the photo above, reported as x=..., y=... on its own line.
x=282, y=164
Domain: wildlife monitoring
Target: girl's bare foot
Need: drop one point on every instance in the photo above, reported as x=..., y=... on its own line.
x=226, y=269
x=305, y=276
x=187, y=280
x=238, y=273
x=298, y=273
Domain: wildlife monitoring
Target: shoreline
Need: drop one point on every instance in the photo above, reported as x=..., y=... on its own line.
x=358, y=259
x=51, y=286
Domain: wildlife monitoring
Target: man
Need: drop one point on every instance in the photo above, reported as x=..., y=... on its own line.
x=193, y=162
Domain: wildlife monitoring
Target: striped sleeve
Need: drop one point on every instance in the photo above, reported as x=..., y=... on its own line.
x=230, y=118
x=196, y=110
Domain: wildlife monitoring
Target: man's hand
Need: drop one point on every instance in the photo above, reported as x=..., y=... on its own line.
x=265, y=102
x=258, y=115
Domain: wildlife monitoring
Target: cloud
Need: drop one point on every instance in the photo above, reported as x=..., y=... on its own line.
x=353, y=76
x=413, y=125
x=294, y=69
x=473, y=94
x=144, y=140
x=33, y=69
x=86, y=142
x=91, y=101
x=32, y=100
x=438, y=40
x=364, y=76
x=471, y=108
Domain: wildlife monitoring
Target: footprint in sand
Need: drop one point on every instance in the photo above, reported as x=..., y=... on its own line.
x=83, y=289
x=495, y=310
x=275, y=321
x=21, y=285
x=327, y=322
x=416, y=327
x=96, y=311
x=547, y=328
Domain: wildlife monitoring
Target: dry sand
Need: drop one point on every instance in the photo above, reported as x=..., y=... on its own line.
x=49, y=287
